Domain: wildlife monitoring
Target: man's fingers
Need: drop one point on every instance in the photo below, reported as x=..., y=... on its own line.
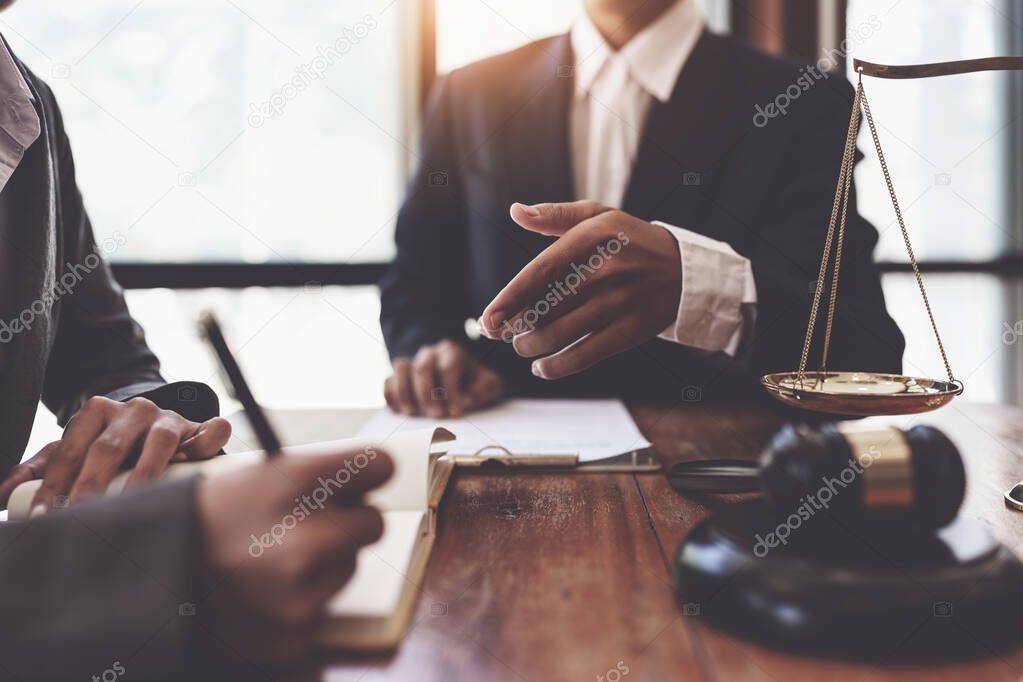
x=451, y=365
x=345, y=475
x=158, y=448
x=350, y=528
x=403, y=393
x=398, y=388
x=332, y=538
x=486, y=387
x=587, y=352
x=596, y=314
x=539, y=315
x=19, y=474
x=105, y=455
x=530, y=287
x=66, y=458
x=555, y=219
x=30, y=470
x=207, y=440
x=424, y=380
x=390, y=394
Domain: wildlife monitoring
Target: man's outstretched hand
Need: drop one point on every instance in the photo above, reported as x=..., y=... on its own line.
x=609, y=283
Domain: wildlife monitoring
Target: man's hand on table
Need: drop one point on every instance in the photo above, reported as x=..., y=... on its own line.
x=100, y=437
x=268, y=597
x=442, y=380
x=609, y=283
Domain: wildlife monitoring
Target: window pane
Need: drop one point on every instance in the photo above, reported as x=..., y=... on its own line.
x=945, y=139
x=974, y=335
x=467, y=31
x=318, y=347
x=244, y=130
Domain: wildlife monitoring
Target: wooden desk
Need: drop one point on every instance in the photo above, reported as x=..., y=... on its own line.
x=563, y=577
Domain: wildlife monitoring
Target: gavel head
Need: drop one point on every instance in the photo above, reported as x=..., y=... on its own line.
x=915, y=476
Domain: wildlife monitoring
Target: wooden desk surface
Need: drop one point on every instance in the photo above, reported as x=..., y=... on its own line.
x=566, y=576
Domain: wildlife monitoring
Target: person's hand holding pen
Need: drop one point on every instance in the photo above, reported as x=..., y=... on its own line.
x=266, y=580
x=268, y=599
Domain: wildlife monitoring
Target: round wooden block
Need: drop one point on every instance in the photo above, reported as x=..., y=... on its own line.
x=821, y=584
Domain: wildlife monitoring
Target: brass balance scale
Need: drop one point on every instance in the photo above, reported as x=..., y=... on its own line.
x=870, y=393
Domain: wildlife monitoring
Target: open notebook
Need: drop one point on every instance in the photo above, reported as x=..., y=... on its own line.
x=372, y=611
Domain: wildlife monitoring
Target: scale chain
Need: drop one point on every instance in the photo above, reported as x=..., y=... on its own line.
x=844, y=174
x=841, y=203
x=905, y=234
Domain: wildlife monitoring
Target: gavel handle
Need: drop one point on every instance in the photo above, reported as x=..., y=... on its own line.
x=937, y=68
x=715, y=476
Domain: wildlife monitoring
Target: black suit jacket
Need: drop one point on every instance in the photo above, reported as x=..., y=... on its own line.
x=496, y=132
x=108, y=581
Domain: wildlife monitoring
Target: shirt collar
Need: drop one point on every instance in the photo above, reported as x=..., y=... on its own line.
x=19, y=121
x=17, y=114
x=655, y=56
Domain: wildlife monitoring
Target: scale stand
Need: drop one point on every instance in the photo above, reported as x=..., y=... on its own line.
x=870, y=393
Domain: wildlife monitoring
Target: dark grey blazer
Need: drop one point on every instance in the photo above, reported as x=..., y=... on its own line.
x=108, y=582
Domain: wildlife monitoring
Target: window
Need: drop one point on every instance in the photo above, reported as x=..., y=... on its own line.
x=242, y=130
x=313, y=347
x=467, y=31
x=947, y=143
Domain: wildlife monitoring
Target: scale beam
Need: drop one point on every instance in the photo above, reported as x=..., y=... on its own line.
x=937, y=68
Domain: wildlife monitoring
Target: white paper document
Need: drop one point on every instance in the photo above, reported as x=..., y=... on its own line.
x=590, y=429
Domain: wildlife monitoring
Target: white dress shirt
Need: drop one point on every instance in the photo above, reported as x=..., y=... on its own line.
x=613, y=94
x=19, y=128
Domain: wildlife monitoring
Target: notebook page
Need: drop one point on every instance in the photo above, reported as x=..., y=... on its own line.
x=591, y=429
x=380, y=571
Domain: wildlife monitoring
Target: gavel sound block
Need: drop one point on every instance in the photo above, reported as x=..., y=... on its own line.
x=854, y=548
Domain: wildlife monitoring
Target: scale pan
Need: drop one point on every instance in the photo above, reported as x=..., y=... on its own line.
x=861, y=394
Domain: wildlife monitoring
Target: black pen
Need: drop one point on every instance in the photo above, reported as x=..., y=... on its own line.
x=210, y=329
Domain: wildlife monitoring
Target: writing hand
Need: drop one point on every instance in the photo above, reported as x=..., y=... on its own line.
x=278, y=541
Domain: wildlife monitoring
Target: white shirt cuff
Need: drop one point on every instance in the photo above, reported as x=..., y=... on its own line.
x=716, y=282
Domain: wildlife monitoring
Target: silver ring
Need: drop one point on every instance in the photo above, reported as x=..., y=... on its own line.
x=1014, y=498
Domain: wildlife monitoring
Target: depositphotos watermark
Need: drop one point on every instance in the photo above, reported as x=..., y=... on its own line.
x=112, y=673
x=811, y=504
x=614, y=674
x=62, y=286
x=559, y=290
x=1012, y=333
x=307, y=504
x=811, y=74
x=312, y=71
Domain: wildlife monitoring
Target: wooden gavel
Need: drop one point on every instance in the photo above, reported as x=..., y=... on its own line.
x=915, y=475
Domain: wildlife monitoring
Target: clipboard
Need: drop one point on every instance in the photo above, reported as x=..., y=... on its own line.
x=498, y=458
